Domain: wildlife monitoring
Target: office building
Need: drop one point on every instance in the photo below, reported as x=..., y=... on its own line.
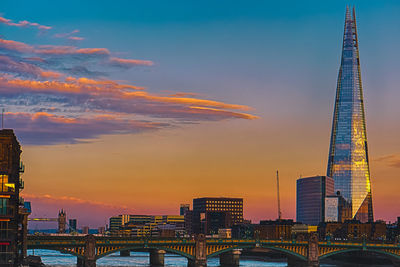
x=310, y=198
x=348, y=162
x=211, y=214
x=115, y=223
x=11, y=238
x=337, y=209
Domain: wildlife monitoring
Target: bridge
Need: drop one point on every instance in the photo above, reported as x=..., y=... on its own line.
x=89, y=248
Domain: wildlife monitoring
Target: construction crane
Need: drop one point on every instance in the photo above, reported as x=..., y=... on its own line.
x=279, y=199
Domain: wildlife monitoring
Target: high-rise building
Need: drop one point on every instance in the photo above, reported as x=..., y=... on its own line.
x=310, y=198
x=348, y=154
x=211, y=214
x=11, y=238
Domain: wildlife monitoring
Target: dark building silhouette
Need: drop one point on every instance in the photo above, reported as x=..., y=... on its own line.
x=310, y=198
x=72, y=225
x=278, y=229
x=12, y=212
x=211, y=214
x=183, y=208
x=188, y=221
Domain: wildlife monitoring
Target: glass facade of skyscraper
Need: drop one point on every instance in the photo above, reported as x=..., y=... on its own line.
x=310, y=198
x=348, y=155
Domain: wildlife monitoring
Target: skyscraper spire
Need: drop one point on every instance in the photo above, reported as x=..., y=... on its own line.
x=348, y=161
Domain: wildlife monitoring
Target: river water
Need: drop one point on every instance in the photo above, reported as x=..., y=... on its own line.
x=55, y=258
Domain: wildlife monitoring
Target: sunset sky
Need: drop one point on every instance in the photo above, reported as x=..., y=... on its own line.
x=138, y=106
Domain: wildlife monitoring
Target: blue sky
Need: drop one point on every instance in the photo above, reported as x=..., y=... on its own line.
x=279, y=58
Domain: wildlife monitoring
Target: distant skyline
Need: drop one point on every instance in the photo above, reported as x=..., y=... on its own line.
x=134, y=107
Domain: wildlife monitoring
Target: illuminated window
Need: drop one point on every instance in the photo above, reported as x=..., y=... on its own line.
x=3, y=182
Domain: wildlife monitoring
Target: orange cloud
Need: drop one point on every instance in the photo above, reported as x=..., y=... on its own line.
x=50, y=74
x=23, y=23
x=72, y=85
x=130, y=62
x=76, y=38
x=224, y=112
x=15, y=46
x=85, y=85
x=63, y=50
x=185, y=101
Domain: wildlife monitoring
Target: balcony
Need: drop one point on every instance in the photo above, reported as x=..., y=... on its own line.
x=21, y=167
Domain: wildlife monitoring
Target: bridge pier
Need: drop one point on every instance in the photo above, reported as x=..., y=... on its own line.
x=295, y=262
x=230, y=258
x=125, y=253
x=313, y=251
x=197, y=263
x=200, y=259
x=80, y=262
x=90, y=252
x=157, y=257
x=85, y=263
x=396, y=263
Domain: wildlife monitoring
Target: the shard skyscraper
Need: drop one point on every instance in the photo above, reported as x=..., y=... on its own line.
x=348, y=154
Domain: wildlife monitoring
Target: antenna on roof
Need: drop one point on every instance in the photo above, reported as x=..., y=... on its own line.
x=279, y=199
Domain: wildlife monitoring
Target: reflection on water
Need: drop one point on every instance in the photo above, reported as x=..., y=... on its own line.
x=55, y=258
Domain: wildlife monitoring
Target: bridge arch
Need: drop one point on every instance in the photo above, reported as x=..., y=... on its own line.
x=61, y=250
x=389, y=255
x=147, y=248
x=271, y=247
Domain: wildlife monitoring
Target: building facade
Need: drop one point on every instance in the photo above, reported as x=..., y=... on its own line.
x=310, y=198
x=11, y=221
x=337, y=209
x=211, y=214
x=348, y=162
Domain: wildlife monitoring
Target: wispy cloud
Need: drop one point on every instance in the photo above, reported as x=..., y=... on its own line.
x=127, y=63
x=23, y=23
x=122, y=98
x=21, y=68
x=44, y=128
x=60, y=94
x=389, y=160
x=69, y=36
x=66, y=52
